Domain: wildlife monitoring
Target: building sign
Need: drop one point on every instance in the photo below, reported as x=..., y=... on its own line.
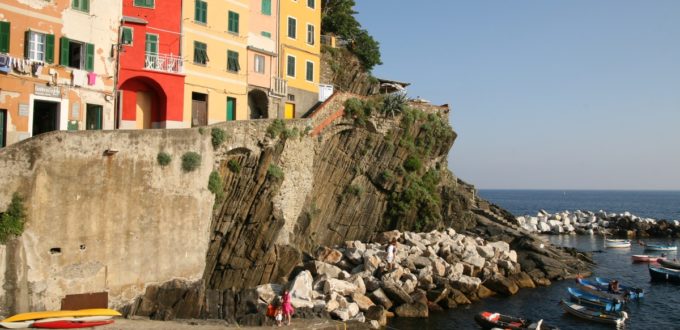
x=23, y=109
x=44, y=90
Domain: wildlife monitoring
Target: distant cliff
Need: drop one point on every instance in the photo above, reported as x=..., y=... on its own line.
x=104, y=214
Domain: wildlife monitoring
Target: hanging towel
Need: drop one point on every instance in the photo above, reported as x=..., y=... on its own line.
x=79, y=77
x=91, y=78
x=5, y=63
x=37, y=68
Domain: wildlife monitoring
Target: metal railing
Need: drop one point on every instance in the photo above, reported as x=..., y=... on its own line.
x=279, y=86
x=163, y=62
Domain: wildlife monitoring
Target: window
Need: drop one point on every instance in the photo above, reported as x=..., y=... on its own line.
x=310, y=71
x=311, y=3
x=4, y=37
x=126, y=36
x=39, y=46
x=290, y=68
x=266, y=34
x=259, y=63
x=233, y=22
x=201, y=12
x=200, y=53
x=310, y=34
x=82, y=5
x=232, y=61
x=76, y=54
x=292, y=26
x=266, y=7
x=151, y=43
x=144, y=3
x=93, y=121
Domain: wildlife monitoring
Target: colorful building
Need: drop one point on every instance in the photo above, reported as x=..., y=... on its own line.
x=299, y=54
x=266, y=89
x=150, y=76
x=215, y=41
x=57, y=67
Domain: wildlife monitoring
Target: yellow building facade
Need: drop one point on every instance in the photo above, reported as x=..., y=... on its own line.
x=214, y=46
x=299, y=54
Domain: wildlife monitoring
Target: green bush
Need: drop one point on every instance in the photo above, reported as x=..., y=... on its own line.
x=218, y=137
x=163, y=158
x=191, y=161
x=275, y=172
x=234, y=166
x=12, y=221
x=394, y=104
x=201, y=130
x=412, y=164
x=215, y=186
x=354, y=190
x=276, y=128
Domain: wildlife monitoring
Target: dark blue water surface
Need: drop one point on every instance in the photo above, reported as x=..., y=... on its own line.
x=659, y=310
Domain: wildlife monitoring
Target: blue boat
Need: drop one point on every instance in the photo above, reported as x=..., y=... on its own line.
x=627, y=292
x=592, y=301
x=664, y=274
x=617, y=318
x=660, y=247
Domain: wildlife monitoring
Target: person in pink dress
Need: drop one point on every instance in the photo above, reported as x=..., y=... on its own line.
x=287, y=307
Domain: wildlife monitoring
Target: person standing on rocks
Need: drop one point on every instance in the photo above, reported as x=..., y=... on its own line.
x=391, y=253
x=287, y=307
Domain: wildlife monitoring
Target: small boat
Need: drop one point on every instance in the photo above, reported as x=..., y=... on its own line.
x=595, y=301
x=70, y=324
x=603, y=294
x=670, y=264
x=627, y=292
x=659, y=247
x=633, y=292
x=50, y=314
x=616, y=243
x=16, y=325
x=664, y=274
x=489, y=320
x=646, y=258
x=617, y=318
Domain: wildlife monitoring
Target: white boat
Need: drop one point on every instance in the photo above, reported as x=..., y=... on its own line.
x=616, y=243
x=16, y=325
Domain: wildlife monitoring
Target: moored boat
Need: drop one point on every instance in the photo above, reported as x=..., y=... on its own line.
x=660, y=247
x=16, y=325
x=616, y=243
x=603, y=294
x=670, y=264
x=646, y=258
x=617, y=318
x=627, y=292
x=489, y=320
x=68, y=324
x=633, y=292
x=59, y=314
x=594, y=301
x=664, y=274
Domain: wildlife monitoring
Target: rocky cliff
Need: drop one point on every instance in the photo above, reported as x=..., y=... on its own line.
x=357, y=167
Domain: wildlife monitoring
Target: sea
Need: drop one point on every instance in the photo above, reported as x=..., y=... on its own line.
x=658, y=310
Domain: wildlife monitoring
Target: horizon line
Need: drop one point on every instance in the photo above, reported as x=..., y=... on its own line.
x=581, y=189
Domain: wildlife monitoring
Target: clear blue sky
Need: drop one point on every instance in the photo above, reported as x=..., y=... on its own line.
x=559, y=94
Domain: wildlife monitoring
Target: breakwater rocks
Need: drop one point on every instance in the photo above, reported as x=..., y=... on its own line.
x=601, y=222
x=433, y=271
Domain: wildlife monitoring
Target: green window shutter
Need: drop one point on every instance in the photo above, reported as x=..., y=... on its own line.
x=27, y=43
x=290, y=68
x=266, y=34
x=4, y=37
x=233, y=22
x=63, y=51
x=89, y=57
x=126, y=36
x=86, y=5
x=49, y=48
x=292, y=27
x=232, y=61
x=266, y=7
x=201, y=11
x=310, y=71
x=75, y=4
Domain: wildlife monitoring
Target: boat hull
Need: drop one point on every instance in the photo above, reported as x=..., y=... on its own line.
x=664, y=274
x=669, y=264
x=593, y=301
x=653, y=247
x=593, y=315
x=489, y=320
x=51, y=314
x=616, y=243
x=66, y=324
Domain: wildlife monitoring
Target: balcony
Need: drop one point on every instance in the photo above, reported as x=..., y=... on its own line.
x=163, y=62
x=279, y=86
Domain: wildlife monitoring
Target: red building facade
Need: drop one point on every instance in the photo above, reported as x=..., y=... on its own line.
x=150, y=75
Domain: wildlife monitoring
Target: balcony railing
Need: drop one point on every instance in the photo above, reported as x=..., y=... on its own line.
x=163, y=62
x=279, y=86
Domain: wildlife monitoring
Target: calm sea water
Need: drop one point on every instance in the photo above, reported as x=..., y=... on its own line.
x=659, y=310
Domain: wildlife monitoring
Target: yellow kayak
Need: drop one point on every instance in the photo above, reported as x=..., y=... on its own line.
x=49, y=314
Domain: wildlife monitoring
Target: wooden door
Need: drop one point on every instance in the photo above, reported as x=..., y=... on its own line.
x=3, y=127
x=289, y=111
x=199, y=113
x=143, y=111
x=94, y=117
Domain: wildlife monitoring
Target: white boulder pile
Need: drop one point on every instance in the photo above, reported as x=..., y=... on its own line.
x=435, y=270
x=581, y=222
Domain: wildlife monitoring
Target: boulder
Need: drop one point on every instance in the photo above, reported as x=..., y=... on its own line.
x=318, y=268
x=267, y=292
x=438, y=267
x=377, y=313
x=328, y=255
x=396, y=293
x=500, y=246
x=436, y=295
x=413, y=310
x=372, y=263
x=386, y=237
x=523, y=280
x=502, y=285
x=301, y=287
x=485, y=251
x=484, y=292
x=466, y=283
x=373, y=324
x=362, y=301
x=341, y=314
x=341, y=287
x=354, y=256
x=475, y=260
x=380, y=298
x=358, y=282
x=353, y=309
x=371, y=283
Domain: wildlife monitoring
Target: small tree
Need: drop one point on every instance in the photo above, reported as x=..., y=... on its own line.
x=12, y=221
x=191, y=161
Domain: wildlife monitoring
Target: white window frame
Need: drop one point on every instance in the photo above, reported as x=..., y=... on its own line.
x=259, y=64
x=306, y=63
x=294, y=66
x=288, y=27
x=33, y=45
x=313, y=34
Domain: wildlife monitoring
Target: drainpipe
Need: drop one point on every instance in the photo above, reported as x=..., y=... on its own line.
x=117, y=116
